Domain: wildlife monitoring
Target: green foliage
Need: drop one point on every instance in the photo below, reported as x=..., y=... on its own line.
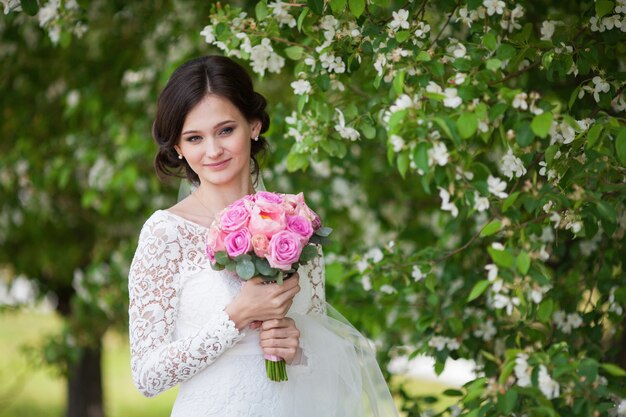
x=473, y=157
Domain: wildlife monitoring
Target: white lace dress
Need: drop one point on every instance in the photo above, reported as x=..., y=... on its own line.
x=180, y=334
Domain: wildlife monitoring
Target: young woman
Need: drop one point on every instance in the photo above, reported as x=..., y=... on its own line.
x=200, y=328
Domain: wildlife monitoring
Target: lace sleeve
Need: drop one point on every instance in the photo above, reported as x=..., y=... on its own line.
x=157, y=361
x=316, y=276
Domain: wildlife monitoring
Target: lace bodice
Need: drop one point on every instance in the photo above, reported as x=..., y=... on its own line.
x=178, y=326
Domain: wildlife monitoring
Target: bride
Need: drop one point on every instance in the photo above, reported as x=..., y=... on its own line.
x=207, y=330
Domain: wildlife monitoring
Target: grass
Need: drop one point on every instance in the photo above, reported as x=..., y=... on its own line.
x=28, y=391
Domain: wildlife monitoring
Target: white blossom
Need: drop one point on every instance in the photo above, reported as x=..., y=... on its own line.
x=208, y=33
x=494, y=6
x=433, y=87
x=417, y=273
x=375, y=254
x=387, y=289
x=397, y=143
x=522, y=370
x=511, y=166
x=496, y=186
x=281, y=14
x=456, y=49
x=503, y=301
x=446, y=205
x=48, y=13
x=422, y=30
x=11, y=5
x=379, y=65
x=301, y=87
x=547, y=29
x=492, y=270
x=452, y=100
x=441, y=342
x=400, y=20
x=264, y=58
x=548, y=386
x=366, y=282
x=480, y=203
x=519, y=102
x=344, y=131
x=486, y=330
x=332, y=63
x=566, y=322
x=438, y=154
x=620, y=408
x=600, y=86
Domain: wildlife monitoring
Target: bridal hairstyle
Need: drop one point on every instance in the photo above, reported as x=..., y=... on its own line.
x=187, y=86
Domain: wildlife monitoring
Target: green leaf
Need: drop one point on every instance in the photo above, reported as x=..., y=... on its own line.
x=603, y=7
x=593, y=135
x=506, y=372
x=403, y=163
x=338, y=5
x=494, y=64
x=544, y=312
x=263, y=266
x=541, y=124
x=324, y=231
x=491, y=228
x=398, y=83
x=402, y=35
x=509, y=201
x=357, y=7
x=506, y=402
x=316, y=6
x=309, y=252
x=301, y=18
x=395, y=120
x=30, y=7
x=261, y=10
x=502, y=258
x=490, y=41
x=479, y=288
x=222, y=257
x=296, y=161
x=523, y=134
x=245, y=269
x=467, y=125
x=620, y=146
x=430, y=282
x=294, y=52
x=613, y=369
x=607, y=211
x=423, y=56
x=523, y=263
x=420, y=156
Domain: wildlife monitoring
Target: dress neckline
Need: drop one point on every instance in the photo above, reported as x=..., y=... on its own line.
x=185, y=220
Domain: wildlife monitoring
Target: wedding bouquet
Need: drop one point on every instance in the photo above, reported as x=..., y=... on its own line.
x=267, y=235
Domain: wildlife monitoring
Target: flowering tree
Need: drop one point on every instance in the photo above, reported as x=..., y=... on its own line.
x=503, y=242
x=495, y=128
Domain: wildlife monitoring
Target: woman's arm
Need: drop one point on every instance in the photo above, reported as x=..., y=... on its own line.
x=157, y=361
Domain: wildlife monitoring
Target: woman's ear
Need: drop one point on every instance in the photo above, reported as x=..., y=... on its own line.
x=256, y=128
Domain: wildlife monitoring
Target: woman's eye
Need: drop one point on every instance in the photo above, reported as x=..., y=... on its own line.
x=226, y=131
x=194, y=138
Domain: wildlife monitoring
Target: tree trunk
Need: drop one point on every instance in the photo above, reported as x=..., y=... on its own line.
x=84, y=393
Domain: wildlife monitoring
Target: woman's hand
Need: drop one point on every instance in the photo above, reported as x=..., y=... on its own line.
x=258, y=301
x=281, y=337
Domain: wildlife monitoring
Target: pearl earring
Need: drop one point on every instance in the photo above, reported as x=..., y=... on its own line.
x=180, y=156
x=256, y=138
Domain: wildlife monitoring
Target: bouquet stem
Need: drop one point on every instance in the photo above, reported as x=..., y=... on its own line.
x=275, y=368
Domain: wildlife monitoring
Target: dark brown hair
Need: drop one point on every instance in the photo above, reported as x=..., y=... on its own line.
x=187, y=86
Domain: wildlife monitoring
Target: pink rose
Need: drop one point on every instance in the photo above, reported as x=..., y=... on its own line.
x=260, y=244
x=300, y=226
x=214, y=242
x=238, y=242
x=304, y=211
x=265, y=199
x=284, y=250
x=291, y=202
x=267, y=220
x=235, y=218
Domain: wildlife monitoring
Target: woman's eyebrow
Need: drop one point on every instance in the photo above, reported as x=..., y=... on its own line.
x=214, y=127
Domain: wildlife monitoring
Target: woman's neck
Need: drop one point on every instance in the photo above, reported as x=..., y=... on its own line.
x=216, y=197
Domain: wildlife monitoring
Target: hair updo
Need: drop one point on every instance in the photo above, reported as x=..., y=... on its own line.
x=188, y=85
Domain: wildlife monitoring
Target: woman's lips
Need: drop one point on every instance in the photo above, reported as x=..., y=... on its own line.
x=217, y=164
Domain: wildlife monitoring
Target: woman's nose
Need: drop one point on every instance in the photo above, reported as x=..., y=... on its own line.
x=213, y=148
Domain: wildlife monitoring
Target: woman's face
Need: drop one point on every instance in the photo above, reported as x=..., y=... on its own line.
x=215, y=141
